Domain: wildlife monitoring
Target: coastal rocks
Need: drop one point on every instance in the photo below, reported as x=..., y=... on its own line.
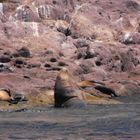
x=24, y=52
x=5, y=59
x=131, y=38
x=86, y=24
x=47, y=11
x=63, y=27
x=6, y=68
x=23, y=29
x=95, y=40
x=26, y=14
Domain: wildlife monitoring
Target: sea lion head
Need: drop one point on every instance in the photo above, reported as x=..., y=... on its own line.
x=5, y=94
x=63, y=74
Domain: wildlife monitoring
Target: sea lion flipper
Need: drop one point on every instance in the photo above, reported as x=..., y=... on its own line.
x=106, y=90
x=89, y=83
x=16, y=98
x=97, y=82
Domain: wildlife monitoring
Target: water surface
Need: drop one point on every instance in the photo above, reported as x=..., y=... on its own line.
x=99, y=122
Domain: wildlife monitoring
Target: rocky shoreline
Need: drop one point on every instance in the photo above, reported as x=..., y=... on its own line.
x=94, y=39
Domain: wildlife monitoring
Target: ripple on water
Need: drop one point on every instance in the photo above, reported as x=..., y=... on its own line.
x=103, y=122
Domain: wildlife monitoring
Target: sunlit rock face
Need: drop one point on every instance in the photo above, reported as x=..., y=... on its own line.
x=94, y=39
x=22, y=29
x=26, y=14
x=1, y=8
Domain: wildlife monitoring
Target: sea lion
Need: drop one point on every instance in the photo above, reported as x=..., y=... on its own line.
x=5, y=94
x=65, y=94
x=16, y=98
x=12, y=98
x=98, y=86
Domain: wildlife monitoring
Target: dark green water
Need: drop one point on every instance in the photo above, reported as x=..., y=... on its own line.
x=96, y=122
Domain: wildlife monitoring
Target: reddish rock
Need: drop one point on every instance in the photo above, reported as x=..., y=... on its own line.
x=95, y=39
x=26, y=13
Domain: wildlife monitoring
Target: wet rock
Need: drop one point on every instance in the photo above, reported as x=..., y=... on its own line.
x=53, y=60
x=33, y=66
x=81, y=43
x=63, y=27
x=60, y=63
x=5, y=59
x=19, y=63
x=24, y=52
x=6, y=68
x=47, y=65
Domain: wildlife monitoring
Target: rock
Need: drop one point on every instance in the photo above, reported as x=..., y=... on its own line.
x=131, y=38
x=94, y=39
x=5, y=59
x=24, y=52
x=63, y=27
x=62, y=64
x=53, y=59
x=26, y=13
x=87, y=22
x=50, y=11
x=126, y=60
x=6, y=68
x=33, y=66
x=79, y=43
x=47, y=65
x=19, y=62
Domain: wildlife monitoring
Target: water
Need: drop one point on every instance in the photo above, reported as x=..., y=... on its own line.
x=98, y=122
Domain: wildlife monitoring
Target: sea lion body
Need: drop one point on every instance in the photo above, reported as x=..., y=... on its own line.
x=5, y=95
x=65, y=95
x=100, y=86
x=74, y=103
x=12, y=98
